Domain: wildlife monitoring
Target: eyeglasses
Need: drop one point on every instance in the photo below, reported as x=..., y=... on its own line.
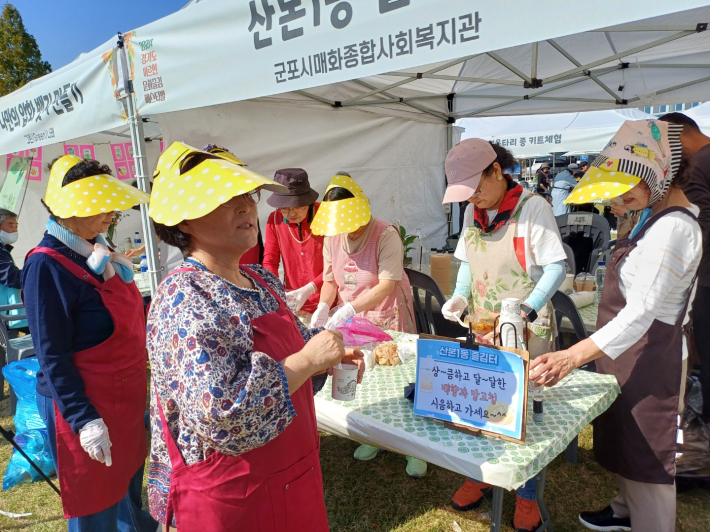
x=252, y=198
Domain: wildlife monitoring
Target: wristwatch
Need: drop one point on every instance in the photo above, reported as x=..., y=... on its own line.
x=529, y=312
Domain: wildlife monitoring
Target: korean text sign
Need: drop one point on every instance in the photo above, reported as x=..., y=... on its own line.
x=482, y=389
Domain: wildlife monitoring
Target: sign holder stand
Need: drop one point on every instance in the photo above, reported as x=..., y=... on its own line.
x=471, y=344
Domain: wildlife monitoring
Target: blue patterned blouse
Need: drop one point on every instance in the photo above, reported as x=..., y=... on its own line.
x=217, y=393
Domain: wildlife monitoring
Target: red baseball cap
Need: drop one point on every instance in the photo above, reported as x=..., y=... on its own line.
x=464, y=166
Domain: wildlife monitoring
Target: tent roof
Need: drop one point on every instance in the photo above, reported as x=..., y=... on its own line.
x=664, y=59
x=658, y=60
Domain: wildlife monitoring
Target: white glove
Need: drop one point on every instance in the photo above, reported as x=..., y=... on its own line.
x=453, y=309
x=345, y=313
x=320, y=316
x=295, y=299
x=95, y=441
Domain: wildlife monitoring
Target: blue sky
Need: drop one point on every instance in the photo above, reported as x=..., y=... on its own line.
x=64, y=29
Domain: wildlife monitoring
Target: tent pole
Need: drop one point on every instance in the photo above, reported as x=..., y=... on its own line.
x=449, y=145
x=141, y=159
x=140, y=156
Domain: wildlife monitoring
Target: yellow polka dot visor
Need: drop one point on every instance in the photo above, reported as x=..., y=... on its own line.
x=602, y=183
x=89, y=196
x=342, y=216
x=187, y=195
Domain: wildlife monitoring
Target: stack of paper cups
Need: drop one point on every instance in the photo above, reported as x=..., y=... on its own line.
x=511, y=323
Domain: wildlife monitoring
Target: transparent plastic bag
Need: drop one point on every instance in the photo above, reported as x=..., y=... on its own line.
x=31, y=432
x=359, y=331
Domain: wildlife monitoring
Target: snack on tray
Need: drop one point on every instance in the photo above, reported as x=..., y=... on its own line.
x=386, y=354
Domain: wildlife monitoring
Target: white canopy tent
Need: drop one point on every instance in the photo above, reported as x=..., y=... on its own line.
x=701, y=115
x=539, y=135
x=392, y=124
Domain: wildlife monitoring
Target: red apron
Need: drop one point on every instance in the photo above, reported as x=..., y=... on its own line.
x=114, y=376
x=274, y=488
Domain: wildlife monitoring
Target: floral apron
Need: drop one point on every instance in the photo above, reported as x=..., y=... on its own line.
x=496, y=274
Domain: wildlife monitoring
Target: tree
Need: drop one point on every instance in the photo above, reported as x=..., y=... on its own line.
x=20, y=58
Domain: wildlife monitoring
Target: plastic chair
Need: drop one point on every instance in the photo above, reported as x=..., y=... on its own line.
x=15, y=348
x=589, y=224
x=565, y=308
x=570, y=259
x=602, y=254
x=423, y=315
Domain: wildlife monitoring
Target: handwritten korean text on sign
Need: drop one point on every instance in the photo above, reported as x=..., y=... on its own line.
x=480, y=388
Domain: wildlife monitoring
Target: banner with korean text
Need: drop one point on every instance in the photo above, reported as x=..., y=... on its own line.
x=72, y=102
x=229, y=50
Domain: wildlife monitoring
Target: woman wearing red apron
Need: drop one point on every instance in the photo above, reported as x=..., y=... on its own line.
x=86, y=319
x=289, y=239
x=235, y=444
x=639, y=339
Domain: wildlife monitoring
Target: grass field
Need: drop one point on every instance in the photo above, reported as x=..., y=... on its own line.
x=379, y=496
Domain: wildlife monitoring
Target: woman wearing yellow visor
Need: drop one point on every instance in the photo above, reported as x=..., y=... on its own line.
x=87, y=323
x=363, y=269
x=234, y=439
x=639, y=336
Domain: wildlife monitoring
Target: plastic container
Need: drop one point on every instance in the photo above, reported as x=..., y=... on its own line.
x=137, y=240
x=599, y=278
x=127, y=244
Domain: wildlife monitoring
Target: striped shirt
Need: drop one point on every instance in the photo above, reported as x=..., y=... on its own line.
x=654, y=278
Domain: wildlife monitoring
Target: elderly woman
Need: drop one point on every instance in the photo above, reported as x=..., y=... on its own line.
x=88, y=328
x=289, y=239
x=363, y=270
x=9, y=272
x=510, y=248
x=639, y=336
x=235, y=443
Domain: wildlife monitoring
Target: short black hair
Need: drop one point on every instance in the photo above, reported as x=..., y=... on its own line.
x=681, y=120
x=337, y=194
x=171, y=234
x=503, y=157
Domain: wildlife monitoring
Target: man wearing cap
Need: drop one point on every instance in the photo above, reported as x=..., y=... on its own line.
x=563, y=184
x=289, y=238
x=543, y=178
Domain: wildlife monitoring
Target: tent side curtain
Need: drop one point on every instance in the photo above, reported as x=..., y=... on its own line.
x=399, y=162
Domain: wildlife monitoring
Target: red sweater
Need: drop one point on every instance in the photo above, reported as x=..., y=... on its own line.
x=303, y=263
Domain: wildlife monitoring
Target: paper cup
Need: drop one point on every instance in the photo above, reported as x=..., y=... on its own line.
x=568, y=284
x=344, y=382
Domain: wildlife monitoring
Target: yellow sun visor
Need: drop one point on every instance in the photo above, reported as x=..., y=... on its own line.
x=185, y=195
x=342, y=216
x=88, y=196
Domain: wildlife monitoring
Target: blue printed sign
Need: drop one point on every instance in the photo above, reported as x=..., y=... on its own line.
x=482, y=389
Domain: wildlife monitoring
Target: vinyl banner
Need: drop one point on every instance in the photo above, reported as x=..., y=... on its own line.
x=75, y=101
x=221, y=51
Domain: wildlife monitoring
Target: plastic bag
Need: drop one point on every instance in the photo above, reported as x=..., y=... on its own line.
x=31, y=432
x=359, y=331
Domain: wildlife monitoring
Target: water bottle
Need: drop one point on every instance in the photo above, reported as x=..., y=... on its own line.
x=144, y=268
x=127, y=244
x=137, y=241
x=599, y=275
x=426, y=261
